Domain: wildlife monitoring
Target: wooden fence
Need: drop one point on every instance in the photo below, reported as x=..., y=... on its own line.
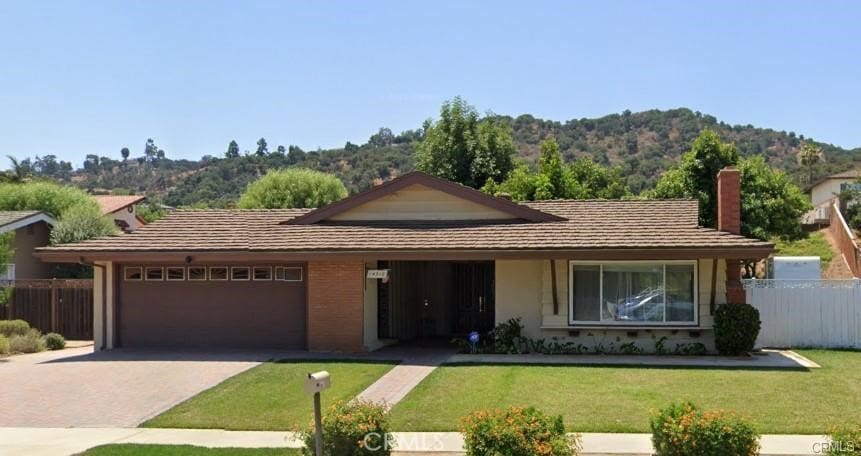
x=807, y=313
x=63, y=306
x=845, y=239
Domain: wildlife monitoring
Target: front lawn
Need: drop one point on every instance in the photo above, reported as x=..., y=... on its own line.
x=270, y=397
x=619, y=399
x=129, y=449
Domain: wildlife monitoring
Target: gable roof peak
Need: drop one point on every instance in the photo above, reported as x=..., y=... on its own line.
x=436, y=183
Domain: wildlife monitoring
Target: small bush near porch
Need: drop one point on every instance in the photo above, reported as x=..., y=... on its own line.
x=270, y=397
x=621, y=399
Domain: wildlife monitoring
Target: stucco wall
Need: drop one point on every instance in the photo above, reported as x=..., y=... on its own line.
x=103, y=288
x=827, y=190
x=524, y=289
x=28, y=238
x=126, y=216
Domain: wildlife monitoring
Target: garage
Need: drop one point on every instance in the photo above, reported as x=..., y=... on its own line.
x=212, y=306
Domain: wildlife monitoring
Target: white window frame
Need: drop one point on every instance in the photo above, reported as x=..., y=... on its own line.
x=146, y=273
x=254, y=273
x=283, y=276
x=235, y=268
x=663, y=263
x=226, y=275
x=126, y=275
x=167, y=273
x=205, y=274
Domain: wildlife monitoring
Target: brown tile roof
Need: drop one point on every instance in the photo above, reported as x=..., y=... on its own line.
x=590, y=224
x=112, y=203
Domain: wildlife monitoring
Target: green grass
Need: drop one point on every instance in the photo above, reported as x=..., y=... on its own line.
x=619, y=399
x=813, y=245
x=129, y=449
x=269, y=396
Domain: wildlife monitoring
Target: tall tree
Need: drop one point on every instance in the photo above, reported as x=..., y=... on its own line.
x=232, y=150
x=150, y=150
x=262, y=147
x=550, y=165
x=125, y=153
x=293, y=187
x=465, y=148
x=771, y=205
x=696, y=175
x=810, y=156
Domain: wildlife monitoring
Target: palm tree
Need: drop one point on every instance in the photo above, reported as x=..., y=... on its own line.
x=19, y=173
x=810, y=156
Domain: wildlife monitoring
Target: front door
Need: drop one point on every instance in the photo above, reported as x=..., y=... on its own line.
x=473, y=297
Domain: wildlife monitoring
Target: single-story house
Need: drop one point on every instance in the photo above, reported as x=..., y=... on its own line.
x=825, y=191
x=32, y=230
x=122, y=210
x=418, y=257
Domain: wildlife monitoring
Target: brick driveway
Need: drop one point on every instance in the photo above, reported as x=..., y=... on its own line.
x=122, y=388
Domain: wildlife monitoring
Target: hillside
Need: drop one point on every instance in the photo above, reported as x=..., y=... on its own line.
x=643, y=144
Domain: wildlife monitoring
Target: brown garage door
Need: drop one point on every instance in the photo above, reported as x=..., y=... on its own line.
x=212, y=306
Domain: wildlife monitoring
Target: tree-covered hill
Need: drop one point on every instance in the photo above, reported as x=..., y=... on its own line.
x=642, y=144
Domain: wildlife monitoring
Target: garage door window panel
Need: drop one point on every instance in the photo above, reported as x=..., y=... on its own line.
x=155, y=274
x=175, y=273
x=133, y=273
x=196, y=273
x=218, y=273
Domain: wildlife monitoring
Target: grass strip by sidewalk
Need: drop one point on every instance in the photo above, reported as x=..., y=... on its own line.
x=270, y=397
x=131, y=449
x=620, y=399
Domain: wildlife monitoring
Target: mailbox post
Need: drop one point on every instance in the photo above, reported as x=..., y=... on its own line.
x=314, y=384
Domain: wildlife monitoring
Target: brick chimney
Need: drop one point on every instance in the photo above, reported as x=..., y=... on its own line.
x=729, y=220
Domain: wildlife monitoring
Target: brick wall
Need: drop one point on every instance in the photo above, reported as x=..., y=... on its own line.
x=335, y=306
x=729, y=220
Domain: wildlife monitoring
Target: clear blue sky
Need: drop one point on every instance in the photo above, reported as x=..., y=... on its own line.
x=81, y=77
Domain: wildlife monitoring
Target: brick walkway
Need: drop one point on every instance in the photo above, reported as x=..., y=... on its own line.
x=416, y=364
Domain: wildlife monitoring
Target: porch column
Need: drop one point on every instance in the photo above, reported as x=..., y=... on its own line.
x=336, y=305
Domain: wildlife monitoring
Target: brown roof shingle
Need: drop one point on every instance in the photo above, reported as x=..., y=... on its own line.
x=590, y=224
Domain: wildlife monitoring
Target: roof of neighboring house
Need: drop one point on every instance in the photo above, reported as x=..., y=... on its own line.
x=112, y=203
x=851, y=174
x=12, y=220
x=585, y=225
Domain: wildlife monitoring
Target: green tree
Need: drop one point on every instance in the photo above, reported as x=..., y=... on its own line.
x=771, y=204
x=78, y=214
x=810, y=156
x=696, y=175
x=262, y=147
x=125, y=153
x=293, y=187
x=21, y=171
x=232, y=150
x=462, y=147
x=550, y=165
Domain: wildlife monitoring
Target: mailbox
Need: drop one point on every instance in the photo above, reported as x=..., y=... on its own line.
x=317, y=382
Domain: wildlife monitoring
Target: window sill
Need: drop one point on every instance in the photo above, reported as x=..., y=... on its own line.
x=631, y=327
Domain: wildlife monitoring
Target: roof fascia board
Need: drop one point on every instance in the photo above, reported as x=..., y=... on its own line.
x=28, y=220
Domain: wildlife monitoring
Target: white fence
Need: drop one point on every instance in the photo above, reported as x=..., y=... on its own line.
x=807, y=313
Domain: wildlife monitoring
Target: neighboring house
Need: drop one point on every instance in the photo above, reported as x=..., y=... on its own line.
x=419, y=258
x=825, y=191
x=121, y=208
x=32, y=229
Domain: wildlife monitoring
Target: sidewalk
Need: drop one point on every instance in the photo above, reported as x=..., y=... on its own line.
x=68, y=441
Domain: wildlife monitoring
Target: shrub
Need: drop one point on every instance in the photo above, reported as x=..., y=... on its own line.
x=683, y=430
x=736, y=328
x=4, y=345
x=517, y=432
x=11, y=328
x=845, y=441
x=352, y=429
x=31, y=342
x=506, y=336
x=55, y=341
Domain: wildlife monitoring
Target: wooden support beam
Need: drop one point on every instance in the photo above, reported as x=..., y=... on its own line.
x=553, y=285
